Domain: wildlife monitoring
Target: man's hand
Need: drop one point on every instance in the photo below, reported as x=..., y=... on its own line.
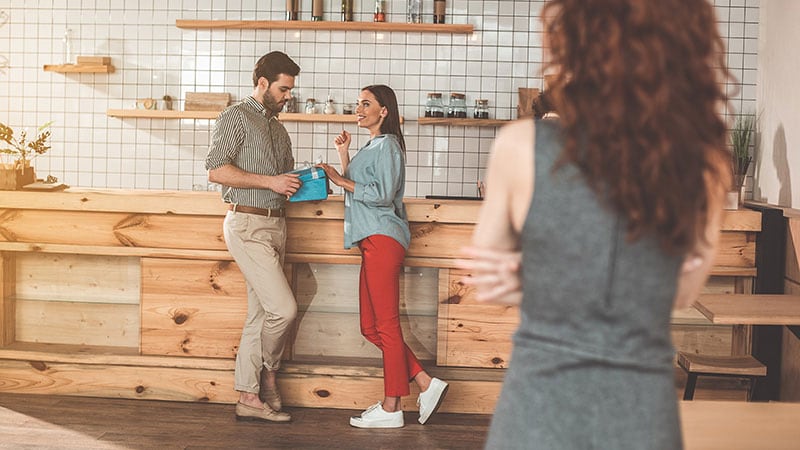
x=285, y=184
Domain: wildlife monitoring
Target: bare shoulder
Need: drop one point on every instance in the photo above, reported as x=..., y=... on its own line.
x=516, y=137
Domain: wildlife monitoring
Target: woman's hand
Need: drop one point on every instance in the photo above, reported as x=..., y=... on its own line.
x=342, y=142
x=331, y=173
x=494, y=274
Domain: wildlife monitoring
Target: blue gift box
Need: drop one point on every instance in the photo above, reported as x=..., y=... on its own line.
x=315, y=185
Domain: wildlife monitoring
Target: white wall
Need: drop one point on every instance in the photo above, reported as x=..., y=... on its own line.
x=153, y=57
x=777, y=172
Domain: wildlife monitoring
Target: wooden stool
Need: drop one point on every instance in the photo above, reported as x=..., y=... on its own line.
x=744, y=366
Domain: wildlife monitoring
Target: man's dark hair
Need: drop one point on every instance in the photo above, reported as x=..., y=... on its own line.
x=272, y=64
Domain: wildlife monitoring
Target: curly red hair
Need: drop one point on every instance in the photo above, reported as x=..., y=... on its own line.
x=639, y=88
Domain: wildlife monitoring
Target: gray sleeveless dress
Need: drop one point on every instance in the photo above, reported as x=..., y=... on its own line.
x=591, y=366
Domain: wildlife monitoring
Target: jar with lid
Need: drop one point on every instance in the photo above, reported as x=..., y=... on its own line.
x=311, y=105
x=291, y=105
x=434, y=106
x=481, y=109
x=458, y=106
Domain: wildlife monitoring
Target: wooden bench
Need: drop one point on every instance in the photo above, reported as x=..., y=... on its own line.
x=742, y=366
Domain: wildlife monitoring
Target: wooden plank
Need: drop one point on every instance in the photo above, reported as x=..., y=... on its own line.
x=739, y=425
x=334, y=288
x=763, y=309
x=324, y=25
x=80, y=278
x=427, y=240
x=720, y=285
x=103, y=60
x=79, y=68
x=792, y=271
x=209, y=203
x=339, y=335
x=161, y=114
x=78, y=323
x=790, y=367
x=478, y=335
x=216, y=386
x=741, y=220
x=702, y=339
x=112, y=229
x=44, y=377
x=37, y=247
x=192, y=308
x=8, y=280
x=736, y=249
x=206, y=101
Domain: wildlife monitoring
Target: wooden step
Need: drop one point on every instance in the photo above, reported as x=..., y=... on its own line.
x=742, y=365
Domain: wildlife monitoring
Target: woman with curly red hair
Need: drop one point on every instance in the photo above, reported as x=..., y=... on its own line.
x=599, y=223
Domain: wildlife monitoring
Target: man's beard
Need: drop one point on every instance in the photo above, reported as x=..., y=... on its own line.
x=271, y=104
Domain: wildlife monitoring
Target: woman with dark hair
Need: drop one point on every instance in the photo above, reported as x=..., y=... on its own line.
x=375, y=221
x=601, y=222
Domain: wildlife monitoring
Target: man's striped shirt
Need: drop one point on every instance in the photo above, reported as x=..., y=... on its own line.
x=247, y=136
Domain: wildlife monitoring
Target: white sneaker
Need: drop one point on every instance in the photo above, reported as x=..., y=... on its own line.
x=430, y=399
x=376, y=417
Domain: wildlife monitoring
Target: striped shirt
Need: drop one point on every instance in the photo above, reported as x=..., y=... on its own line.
x=249, y=137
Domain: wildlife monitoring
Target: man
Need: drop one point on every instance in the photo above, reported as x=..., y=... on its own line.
x=249, y=155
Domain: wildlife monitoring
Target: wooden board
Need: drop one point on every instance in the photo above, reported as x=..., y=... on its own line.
x=44, y=187
x=334, y=288
x=112, y=229
x=102, y=60
x=206, y=101
x=339, y=335
x=77, y=323
x=81, y=278
x=8, y=283
x=736, y=249
x=712, y=340
x=192, y=308
x=793, y=249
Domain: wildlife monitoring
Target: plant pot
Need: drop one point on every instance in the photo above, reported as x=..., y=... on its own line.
x=13, y=177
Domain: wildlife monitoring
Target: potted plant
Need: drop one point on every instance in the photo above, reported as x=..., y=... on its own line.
x=20, y=152
x=744, y=128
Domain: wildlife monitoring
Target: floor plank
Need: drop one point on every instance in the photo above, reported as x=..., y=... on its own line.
x=62, y=422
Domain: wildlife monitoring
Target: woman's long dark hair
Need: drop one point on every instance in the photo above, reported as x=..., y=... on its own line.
x=639, y=88
x=391, y=123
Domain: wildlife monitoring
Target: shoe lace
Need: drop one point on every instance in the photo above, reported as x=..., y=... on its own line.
x=371, y=408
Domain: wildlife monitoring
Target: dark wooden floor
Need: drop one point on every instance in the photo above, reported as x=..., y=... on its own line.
x=60, y=422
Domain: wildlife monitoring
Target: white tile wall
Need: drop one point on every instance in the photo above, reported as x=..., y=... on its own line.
x=153, y=58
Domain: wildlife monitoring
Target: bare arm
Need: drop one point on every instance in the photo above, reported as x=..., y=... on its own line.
x=342, y=143
x=494, y=256
x=697, y=264
x=230, y=175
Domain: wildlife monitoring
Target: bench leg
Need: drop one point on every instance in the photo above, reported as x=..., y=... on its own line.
x=691, y=382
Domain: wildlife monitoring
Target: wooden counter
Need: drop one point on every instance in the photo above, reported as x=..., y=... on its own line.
x=133, y=294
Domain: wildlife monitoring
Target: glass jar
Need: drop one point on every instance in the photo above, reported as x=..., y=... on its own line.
x=481, y=109
x=311, y=105
x=414, y=11
x=347, y=10
x=434, y=106
x=439, y=7
x=457, y=108
x=380, y=11
x=317, y=10
x=292, y=9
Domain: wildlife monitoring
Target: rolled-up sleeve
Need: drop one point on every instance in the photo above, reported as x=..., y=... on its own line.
x=227, y=139
x=381, y=191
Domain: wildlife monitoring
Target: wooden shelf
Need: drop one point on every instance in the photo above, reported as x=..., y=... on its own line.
x=462, y=122
x=324, y=25
x=162, y=114
x=283, y=117
x=79, y=68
